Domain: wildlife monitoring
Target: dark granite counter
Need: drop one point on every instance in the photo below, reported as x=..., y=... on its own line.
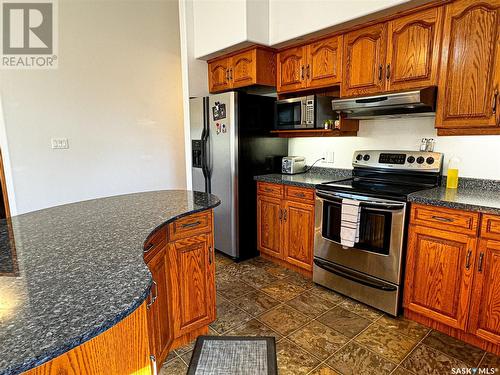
x=471, y=195
x=70, y=272
x=309, y=179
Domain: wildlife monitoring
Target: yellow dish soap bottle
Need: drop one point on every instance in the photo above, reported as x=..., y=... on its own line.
x=452, y=175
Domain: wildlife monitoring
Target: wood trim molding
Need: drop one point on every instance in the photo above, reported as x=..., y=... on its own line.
x=3, y=185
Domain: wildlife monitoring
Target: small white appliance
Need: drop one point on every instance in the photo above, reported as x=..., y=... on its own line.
x=293, y=164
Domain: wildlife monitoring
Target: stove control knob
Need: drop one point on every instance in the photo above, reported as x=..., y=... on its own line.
x=359, y=157
x=411, y=159
x=366, y=157
x=430, y=160
x=420, y=160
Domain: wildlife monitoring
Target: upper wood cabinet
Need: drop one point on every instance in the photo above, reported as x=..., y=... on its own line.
x=470, y=67
x=315, y=65
x=413, y=50
x=364, y=56
x=255, y=66
x=397, y=55
x=291, y=69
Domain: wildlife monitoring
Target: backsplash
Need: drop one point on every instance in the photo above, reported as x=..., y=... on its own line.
x=480, y=155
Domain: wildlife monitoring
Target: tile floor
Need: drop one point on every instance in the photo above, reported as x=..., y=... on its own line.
x=319, y=332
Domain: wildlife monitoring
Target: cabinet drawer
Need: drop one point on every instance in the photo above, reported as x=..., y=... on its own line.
x=445, y=218
x=299, y=194
x=274, y=190
x=154, y=242
x=190, y=225
x=490, y=227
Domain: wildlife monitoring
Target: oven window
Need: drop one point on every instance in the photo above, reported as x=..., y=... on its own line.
x=289, y=114
x=374, y=227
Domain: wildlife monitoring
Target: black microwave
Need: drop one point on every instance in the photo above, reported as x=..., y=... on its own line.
x=305, y=112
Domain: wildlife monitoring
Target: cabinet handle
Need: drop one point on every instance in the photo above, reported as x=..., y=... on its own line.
x=467, y=260
x=494, y=104
x=281, y=214
x=148, y=249
x=154, y=296
x=153, y=362
x=302, y=72
x=269, y=190
x=227, y=74
x=190, y=225
x=443, y=219
x=284, y=215
x=308, y=71
x=388, y=72
x=300, y=195
x=231, y=74
x=210, y=255
x=380, y=67
x=480, y=266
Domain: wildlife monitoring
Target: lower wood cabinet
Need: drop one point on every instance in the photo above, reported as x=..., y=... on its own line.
x=452, y=282
x=285, y=224
x=181, y=304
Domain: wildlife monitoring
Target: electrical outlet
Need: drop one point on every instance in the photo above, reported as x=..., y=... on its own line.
x=60, y=143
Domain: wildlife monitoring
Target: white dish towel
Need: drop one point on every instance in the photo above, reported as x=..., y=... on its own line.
x=349, y=227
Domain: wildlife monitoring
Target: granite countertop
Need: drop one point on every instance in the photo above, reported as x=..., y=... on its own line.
x=482, y=197
x=309, y=179
x=70, y=272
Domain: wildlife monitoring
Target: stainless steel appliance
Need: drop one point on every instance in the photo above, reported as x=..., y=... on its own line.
x=230, y=144
x=409, y=103
x=304, y=112
x=293, y=164
x=371, y=271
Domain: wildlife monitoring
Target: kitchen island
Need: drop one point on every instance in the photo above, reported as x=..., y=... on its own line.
x=72, y=272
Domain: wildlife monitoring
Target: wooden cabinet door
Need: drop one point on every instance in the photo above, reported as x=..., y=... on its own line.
x=439, y=272
x=243, y=70
x=324, y=62
x=364, y=59
x=469, y=78
x=298, y=234
x=218, y=75
x=413, y=50
x=291, y=65
x=158, y=310
x=191, y=262
x=485, y=310
x=269, y=225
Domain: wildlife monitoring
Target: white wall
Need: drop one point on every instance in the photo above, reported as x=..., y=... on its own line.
x=116, y=95
x=290, y=19
x=479, y=154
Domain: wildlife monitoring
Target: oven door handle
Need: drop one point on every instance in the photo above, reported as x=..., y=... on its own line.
x=346, y=274
x=366, y=204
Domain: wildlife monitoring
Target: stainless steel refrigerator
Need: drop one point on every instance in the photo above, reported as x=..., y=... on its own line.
x=231, y=143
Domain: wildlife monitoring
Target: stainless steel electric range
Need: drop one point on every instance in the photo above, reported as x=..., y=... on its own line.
x=371, y=270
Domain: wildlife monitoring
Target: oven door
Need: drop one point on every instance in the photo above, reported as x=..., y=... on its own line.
x=379, y=250
x=290, y=114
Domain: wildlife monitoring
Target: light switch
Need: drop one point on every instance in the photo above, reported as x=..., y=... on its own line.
x=329, y=157
x=60, y=143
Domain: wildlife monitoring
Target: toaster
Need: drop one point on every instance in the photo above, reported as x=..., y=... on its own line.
x=293, y=164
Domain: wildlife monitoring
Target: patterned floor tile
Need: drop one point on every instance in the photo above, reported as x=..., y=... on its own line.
x=402, y=371
x=283, y=319
x=361, y=309
x=254, y=328
x=427, y=361
x=282, y=290
x=186, y=348
x=175, y=367
x=324, y=370
x=354, y=359
x=222, y=260
x=234, y=289
x=229, y=317
x=256, y=303
x=300, y=280
x=491, y=360
x=258, y=278
x=172, y=355
x=345, y=322
x=386, y=342
x=292, y=360
x=310, y=304
x=404, y=326
x=327, y=294
x=454, y=348
x=318, y=339
x=279, y=272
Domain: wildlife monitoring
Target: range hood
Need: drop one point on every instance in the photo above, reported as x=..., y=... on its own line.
x=400, y=104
